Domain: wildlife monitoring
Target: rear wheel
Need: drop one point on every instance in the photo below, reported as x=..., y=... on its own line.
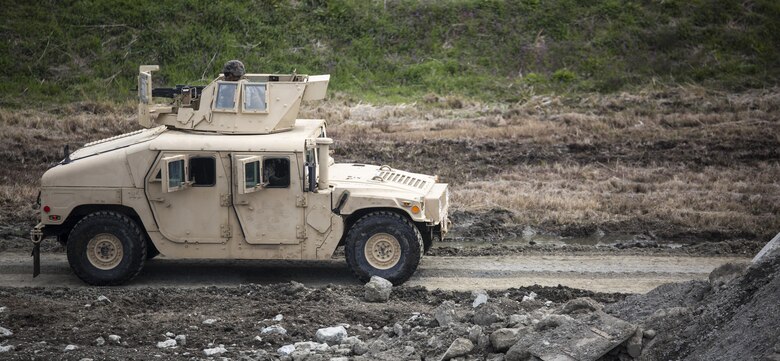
x=106, y=248
x=383, y=244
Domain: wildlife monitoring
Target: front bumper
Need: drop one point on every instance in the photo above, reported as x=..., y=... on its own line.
x=437, y=205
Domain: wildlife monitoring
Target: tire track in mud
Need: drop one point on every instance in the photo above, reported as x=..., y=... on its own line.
x=629, y=274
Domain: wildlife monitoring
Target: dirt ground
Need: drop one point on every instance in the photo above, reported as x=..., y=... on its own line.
x=731, y=316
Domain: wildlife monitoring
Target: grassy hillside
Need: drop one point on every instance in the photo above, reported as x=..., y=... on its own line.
x=390, y=50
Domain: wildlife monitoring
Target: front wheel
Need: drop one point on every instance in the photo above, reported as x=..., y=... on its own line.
x=106, y=249
x=383, y=244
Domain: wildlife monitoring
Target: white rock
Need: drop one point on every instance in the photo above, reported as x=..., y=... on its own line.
x=548, y=303
x=278, y=318
x=215, y=351
x=86, y=359
x=4, y=332
x=181, y=339
x=69, y=348
x=377, y=289
x=209, y=321
x=530, y=297
x=169, y=335
x=331, y=335
x=311, y=346
x=114, y=338
x=3, y=309
x=258, y=339
x=7, y=348
x=166, y=344
x=102, y=298
x=341, y=358
x=273, y=330
x=480, y=297
x=286, y=350
x=100, y=341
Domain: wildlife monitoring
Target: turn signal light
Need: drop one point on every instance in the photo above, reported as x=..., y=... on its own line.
x=415, y=209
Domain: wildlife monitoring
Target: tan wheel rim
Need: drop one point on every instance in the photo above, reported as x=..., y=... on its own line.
x=105, y=251
x=382, y=251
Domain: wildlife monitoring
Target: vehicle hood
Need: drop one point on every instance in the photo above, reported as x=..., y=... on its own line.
x=382, y=179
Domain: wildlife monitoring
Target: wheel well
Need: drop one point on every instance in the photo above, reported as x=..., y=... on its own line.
x=349, y=221
x=83, y=210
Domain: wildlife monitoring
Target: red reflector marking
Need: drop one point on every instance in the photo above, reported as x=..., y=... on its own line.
x=54, y=217
x=46, y=209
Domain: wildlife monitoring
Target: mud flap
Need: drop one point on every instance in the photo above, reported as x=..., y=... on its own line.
x=36, y=236
x=36, y=255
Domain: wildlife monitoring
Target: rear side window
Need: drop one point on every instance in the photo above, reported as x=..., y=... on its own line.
x=203, y=171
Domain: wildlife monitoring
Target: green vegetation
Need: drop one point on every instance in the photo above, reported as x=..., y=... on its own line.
x=389, y=51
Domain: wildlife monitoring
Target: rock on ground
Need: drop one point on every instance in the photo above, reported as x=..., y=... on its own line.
x=503, y=338
x=459, y=347
x=488, y=314
x=586, y=337
x=6, y=348
x=215, y=350
x=331, y=335
x=634, y=344
x=480, y=297
x=286, y=350
x=69, y=348
x=4, y=332
x=378, y=289
x=273, y=330
x=166, y=344
x=445, y=313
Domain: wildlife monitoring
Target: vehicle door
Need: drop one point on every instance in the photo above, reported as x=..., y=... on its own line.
x=189, y=195
x=269, y=198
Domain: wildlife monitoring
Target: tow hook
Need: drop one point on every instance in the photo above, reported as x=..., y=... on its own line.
x=36, y=236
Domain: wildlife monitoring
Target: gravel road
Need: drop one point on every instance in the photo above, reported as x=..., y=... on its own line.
x=601, y=273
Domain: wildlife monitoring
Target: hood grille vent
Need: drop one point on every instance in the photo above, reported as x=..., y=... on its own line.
x=390, y=176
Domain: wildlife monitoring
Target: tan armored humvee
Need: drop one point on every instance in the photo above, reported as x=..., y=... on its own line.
x=227, y=171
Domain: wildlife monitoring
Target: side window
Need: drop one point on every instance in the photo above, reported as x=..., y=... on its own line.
x=276, y=172
x=226, y=96
x=175, y=173
x=255, y=98
x=251, y=174
x=203, y=171
x=248, y=171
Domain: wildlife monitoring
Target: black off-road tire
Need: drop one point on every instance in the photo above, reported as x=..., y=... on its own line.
x=108, y=229
x=387, y=226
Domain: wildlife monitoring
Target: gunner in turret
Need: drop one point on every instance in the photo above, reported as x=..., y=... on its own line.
x=233, y=70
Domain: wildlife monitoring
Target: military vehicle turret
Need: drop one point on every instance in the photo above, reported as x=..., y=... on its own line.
x=228, y=171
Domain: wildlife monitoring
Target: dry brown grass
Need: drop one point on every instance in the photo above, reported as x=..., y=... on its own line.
x=633, y=199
